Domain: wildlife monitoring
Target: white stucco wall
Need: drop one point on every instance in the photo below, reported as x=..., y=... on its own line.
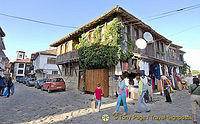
x=41, y=63
x=17, y=66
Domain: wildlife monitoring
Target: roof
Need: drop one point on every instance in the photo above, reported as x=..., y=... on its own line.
x=20, y=51
x=181, y=51
x=177, y=46
x=2, y=33
x=49, y=52
x=116, y=10
x=23, y=60
x=45, y=52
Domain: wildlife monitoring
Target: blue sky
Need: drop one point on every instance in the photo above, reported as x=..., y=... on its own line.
x=31, y=37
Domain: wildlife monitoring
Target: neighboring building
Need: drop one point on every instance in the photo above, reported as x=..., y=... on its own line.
x=44, y=64
x=20, y=67
x=3, y=58
x=162, y=51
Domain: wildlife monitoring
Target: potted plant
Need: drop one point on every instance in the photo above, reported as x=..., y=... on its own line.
x=162, y=53
x=158, y=52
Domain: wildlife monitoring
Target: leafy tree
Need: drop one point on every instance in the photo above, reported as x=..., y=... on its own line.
x=185, y=68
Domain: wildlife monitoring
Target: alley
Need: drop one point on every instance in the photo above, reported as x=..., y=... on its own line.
x=30, y=105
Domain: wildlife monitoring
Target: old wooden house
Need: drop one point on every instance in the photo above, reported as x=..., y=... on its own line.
x=162, y=51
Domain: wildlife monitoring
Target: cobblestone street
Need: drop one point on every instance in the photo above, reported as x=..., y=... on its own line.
x=31, y=105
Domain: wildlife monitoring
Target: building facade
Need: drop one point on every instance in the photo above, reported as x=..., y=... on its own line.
x=21, y=67
x=3, y=59
x=160, y=52
x=44, y=64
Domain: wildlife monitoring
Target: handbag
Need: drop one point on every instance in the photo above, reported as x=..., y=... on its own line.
x=5, y=93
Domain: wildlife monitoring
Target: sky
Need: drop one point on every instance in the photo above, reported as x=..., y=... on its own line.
x=32, y=37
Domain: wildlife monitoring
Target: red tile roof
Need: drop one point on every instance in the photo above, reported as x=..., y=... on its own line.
x=24, y=60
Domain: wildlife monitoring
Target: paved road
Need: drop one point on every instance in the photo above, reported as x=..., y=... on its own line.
x=30, y=105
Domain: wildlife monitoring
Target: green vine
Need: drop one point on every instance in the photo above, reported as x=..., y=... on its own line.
x=162, y=53
x=158, y=52
x=107, y=36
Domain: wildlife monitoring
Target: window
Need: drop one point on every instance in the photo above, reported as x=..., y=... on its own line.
x=51, y=60
x=20, y=71
x=162, y=47
x=171, y=53
x=137, y=34
x=55, y=72
x=181, y=57
x=63, y=49
x=158, y=45
x=21, y=65
x=57, y=80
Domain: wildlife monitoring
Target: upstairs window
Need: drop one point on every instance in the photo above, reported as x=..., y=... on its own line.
x=54, y=72
x=21, y=65
x=51, y=60
x=20, y=71
x=158, y=45
x=162, y=47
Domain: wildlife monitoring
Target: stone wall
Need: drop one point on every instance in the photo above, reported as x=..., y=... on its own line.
x=71, y=79
x=112, y=82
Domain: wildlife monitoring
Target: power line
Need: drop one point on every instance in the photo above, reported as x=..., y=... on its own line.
x=36, y=21
x=165, y=14
x=174, y=11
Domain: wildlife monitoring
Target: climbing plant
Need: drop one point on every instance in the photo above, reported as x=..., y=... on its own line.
x=98, y=56
x=105, y=50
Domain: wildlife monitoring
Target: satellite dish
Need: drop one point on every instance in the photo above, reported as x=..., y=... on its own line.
x=148, y=37
x=141, y=43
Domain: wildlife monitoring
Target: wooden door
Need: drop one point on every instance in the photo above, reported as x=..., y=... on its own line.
x=97, y=76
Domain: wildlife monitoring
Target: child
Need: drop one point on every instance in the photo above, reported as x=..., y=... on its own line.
x=98, y=93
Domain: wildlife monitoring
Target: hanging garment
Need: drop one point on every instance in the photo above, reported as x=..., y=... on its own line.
x=173, y=84
x=166, y=71
x=169, y=71
x=159, y=86
x=179, y=82
x=157, y=68
x=138, y=67
x=141, y=65
x=177, y=70
x=153, y=85
x=161, y=73
x=175, y=79
x=118, y=70
x=146, y=69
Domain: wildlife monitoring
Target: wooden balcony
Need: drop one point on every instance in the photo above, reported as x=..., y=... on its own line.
x=67, y=57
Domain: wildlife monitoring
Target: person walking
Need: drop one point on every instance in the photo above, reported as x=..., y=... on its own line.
x=167, y=85
x=121, y=96
x=98, y=93
x=1, y=86
x=194, y=90
x=9, y=85
x=142, y=90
